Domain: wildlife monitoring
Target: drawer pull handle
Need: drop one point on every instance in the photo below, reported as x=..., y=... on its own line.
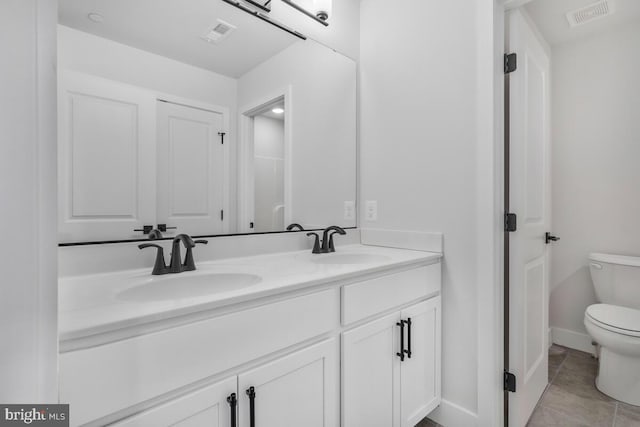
x=233, y=401
x=401, y=353
x=408, y=350
x=251, y=392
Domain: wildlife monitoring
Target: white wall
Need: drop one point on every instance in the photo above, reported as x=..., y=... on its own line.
x=105, y=58
x=595, y=163
x=28, y=287
x=419, y=152
x=323, y=126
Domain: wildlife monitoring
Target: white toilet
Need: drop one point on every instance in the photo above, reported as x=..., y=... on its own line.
x=615, y=324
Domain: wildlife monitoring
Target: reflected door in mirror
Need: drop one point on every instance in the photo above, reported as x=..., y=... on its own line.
x=190, y=173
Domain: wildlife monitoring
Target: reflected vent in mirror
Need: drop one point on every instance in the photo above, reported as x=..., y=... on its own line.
x=590, y=13
x=218, y=32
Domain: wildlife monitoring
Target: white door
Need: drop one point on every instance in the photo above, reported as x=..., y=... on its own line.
x=191, y=175
x=420, y=370
x=371, y=374
x=205, y=407
x=530, y=201
x=106, y=158
x=297, y=390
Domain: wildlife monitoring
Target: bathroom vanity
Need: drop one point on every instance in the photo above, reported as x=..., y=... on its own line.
x=287, y=339
x=165, y=133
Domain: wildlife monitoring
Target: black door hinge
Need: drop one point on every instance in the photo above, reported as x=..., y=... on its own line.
x=251, y=225
x=510, y=222
x=222, y=134
x=221, y=215
x=510, y=63
x=509, y=382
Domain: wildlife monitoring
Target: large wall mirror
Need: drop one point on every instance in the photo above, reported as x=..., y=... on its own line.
x=195, y=117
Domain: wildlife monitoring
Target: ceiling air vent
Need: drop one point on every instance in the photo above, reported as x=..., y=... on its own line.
x=590, y=13
x=218, y=32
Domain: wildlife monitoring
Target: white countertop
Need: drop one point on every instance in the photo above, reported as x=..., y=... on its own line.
x=90, y=305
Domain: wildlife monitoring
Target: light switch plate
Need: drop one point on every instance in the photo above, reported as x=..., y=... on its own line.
x=349, y=210
x=371, y=210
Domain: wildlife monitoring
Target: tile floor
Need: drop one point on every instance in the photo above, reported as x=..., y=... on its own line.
x=571, y=398
x=428, y=423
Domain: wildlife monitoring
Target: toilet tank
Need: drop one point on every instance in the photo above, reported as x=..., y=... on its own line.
x=616, y=279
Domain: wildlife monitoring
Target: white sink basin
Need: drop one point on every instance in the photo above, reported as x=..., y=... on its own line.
x=186, y=285
x=338, y=258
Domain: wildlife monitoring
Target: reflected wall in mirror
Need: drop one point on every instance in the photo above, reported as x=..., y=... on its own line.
x=164, y=125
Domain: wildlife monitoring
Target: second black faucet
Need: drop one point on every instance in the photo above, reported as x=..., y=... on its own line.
x=327, y=240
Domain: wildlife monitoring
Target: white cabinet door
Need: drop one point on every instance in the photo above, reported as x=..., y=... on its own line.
x=297, y=390
x=191, y=169
x=371, y=374
x=420, y=370
x=205, y=407
x=106, y=158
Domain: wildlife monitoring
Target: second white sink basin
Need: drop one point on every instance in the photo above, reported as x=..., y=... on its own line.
x=338, y=258
x=184, y=285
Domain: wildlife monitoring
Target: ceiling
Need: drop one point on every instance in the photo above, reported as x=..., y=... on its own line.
x=172, y=28
x=550, y=18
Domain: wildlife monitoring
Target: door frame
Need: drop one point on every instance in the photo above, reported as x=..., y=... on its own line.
x=492, y=399
x=245, y=161
x=490, y=45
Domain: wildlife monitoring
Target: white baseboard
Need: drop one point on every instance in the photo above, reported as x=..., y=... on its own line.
x=414, y=240
x=572, y=339
x=451, y=415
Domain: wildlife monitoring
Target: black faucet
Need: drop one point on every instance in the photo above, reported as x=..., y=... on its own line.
x=290, y=227
x=159, y=267
x=176, y=265
x=327, y=240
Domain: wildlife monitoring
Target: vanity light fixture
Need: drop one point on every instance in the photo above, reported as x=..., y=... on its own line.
x=265, y=18
x=319, y=10
x=95, y=17
x=278, y=110
x=322, y=9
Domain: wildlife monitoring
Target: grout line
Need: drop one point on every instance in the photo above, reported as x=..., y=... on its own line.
x=566, y=355
x=615, y=414
x=539, y=402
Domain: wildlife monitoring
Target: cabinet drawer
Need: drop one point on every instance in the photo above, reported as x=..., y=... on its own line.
x=368, y=298
x=102, y=380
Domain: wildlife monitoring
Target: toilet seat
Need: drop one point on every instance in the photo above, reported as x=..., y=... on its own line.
x=618, y=319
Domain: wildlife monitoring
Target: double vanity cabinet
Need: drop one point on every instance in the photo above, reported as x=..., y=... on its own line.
x=347, y=339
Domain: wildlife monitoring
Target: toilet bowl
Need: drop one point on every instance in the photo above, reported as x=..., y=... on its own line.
x=614, y=324
x=616, y=329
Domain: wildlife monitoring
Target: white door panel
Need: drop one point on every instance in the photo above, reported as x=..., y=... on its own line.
x=529, y=199
x=191, y=169
x=106, y=155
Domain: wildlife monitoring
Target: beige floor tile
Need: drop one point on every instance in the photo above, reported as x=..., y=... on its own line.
x=557, y=355
x=427, y=423
x=591, y=412
x=581, y=362
x=547, y=417
x=579, y=383
x=627, y=416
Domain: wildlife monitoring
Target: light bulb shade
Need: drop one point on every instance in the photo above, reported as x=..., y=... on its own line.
x=322, y=9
